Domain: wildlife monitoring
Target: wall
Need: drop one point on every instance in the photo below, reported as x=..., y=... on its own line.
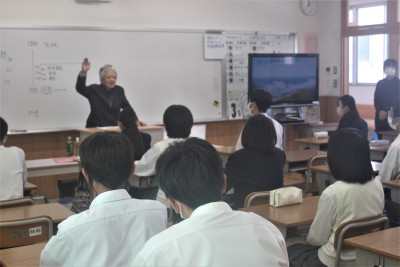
x=261, y=15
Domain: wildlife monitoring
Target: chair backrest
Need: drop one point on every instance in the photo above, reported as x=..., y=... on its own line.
x=396, y=176
x=256, y=198
x=25, y=232
x=16, y=202
x=314, y=160
x=356, y=228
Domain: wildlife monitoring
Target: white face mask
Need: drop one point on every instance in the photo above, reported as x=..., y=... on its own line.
x=180, y=209
x=390, y=122
x=390, y=71
x=339, y=111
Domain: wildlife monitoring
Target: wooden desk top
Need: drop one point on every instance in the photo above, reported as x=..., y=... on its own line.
x=116, y=128
x=385, y=243
x=292, y=179
x=288, y=216
x=379, y=148
x=55, y=211
x=302, y=155
x=325, y=168
x=393, y=183
x=29, y=186
x=22, y=256
x=324, y=124
x=46, y=163
x=313, y=141
x=395, y=133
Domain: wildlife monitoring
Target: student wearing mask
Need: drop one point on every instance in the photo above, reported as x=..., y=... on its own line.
x=386, y=90
x=13, y=173
x=259, y=102
x=116, y=226
x=191, y=175
x=346, y=108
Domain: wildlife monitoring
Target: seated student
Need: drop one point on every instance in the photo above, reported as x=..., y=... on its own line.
x=259, y=165
x=127, y=123
x=346, y=108
x=178, y=121
x=259, y=102
x=345, y=200
x=115, y=227
x=192, y=177
x=13, y=173
x=391, y=163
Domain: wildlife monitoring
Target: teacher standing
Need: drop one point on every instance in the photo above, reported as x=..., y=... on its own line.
x=106, y=99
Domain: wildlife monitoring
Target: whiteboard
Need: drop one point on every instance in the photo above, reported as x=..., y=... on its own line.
x=39, y=68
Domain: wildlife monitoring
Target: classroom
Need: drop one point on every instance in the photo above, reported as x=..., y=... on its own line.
x=161, y=58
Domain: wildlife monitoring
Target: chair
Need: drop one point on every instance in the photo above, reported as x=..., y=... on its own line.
x=356, y=228
x=256, y=198
x=396, y=176
x=16, y=202
x=314, y=160
x=25, y=232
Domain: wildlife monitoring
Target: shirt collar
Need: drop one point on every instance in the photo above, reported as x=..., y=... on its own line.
x=213, y=207
x=110, y=196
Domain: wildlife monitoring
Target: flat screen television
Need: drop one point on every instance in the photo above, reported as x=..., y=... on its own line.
x=290, y=78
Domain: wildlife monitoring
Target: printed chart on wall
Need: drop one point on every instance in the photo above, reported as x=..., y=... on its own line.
x=238, y=46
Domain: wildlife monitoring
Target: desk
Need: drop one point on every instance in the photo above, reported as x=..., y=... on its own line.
x=55, y=211
x=296, y=160
x=378, y=152
x=225, y=151
x=389, y=135
x=156, y=132
x=43, y=167
x=288, y=216
x=22, y=256
x=311, y=143
x=377, y=249
x=29, y=187
x=308, y=129
x=395, y=189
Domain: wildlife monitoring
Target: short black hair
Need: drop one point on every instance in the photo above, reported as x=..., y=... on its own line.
x=3, y=129
x=107, y=158
x=128, y=119
x=259, y=134
x=263, y=99
x=178, y=121
x=348, y=100
x=390, y=62
x=191, y=172
x=349, y=156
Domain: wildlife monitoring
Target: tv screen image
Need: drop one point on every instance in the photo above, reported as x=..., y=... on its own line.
x=290, y=78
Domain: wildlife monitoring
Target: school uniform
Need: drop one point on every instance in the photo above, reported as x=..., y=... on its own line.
x=391, y=163
x=109, y=233
x=214, y=235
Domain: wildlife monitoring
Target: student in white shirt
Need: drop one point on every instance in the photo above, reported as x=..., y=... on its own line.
x=355, y=195
x=116, y=226
x=259, y=102
x=178, y=121
x=191, y=174
x=13, y=173
x=391, y=164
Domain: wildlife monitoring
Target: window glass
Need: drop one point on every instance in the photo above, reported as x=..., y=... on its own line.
x=351, y=55
x=371, y=15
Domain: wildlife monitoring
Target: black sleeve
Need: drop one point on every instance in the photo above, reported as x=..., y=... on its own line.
x=81, y=86
x=231, y=172
x=125, y=105
x=378, y=97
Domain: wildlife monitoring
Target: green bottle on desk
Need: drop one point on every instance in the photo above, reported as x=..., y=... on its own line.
x=70, y=151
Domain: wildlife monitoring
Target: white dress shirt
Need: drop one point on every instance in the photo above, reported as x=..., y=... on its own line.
x=214, y=235
x=109, y=233
x=13, y=173
x=278, y=130
x=391, y=163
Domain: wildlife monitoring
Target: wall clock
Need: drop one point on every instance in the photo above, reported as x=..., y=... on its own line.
x=309, y=7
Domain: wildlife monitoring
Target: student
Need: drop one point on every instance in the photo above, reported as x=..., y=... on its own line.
x=259, y=165
x=345, y=200
x=346, y=108
x=106, y=99
x=259, y=102
x=13, y=173
x=386, y=90
x=191, y=174
x=115, y=227
x=391, y=163
x=178, y=121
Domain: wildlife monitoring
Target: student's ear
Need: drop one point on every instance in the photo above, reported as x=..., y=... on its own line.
x=85, y=175
x=224, y=186
x=174, y=205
